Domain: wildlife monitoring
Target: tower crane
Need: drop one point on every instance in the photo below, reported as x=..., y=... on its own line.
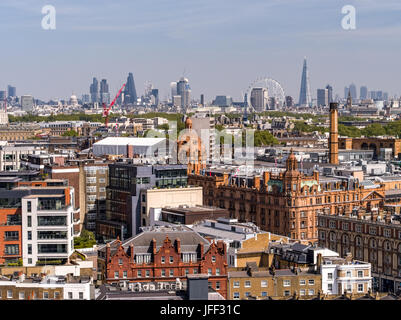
x=106, y=111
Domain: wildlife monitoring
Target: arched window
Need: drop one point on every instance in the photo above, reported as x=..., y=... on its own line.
x=372, y=243
x=358, y=241
x=387, y=245
x=345, y=239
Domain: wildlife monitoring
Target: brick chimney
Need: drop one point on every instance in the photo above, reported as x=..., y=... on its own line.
x=318, y=262
x=316, y=175
x=201, y=245
x=154, y=245
x=131, y=248
x=256, y=182
x=178, y=243
x=107, y=253
x=266, y=177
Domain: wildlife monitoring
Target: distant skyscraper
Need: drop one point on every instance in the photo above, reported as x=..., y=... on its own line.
x=363, y=93
x=346, y=91
x=202, y=100
x=330, y=93
x=104, y=92
x=130, y=91
x=289, y=101
x=2, y=95
x=155, y=96
x=385, y=96
x=352, y=89
x=94, y=90
x=259, y=99
x=12, y=91
x=27, y=103
x=304, y=95
x=184, y=90
x=322, y=97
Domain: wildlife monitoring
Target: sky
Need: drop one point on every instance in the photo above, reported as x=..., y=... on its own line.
x=221, y=46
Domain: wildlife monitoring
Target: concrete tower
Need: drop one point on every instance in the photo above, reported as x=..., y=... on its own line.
x=333, y=139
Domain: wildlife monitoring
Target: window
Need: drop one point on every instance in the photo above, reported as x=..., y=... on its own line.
x=330, y=276
x=302, y=292
x=330, y=287
x=287, y=293
x=29, y=235
x=247, y=284
x=56, y=295
x=236, y=295
x=247, y=294
x=195, y=271
x=286, y=283
x=69, y=295
x=358, y=228
x=186, y=271
x=21, y=295
x=171, y=272
x=28, y=206
x=263, y=283
x=332, y=224
x=163, y=259
x=147, y=273
x=139, y=274
x=348, y=274
x=387, y=233
x=29, y=249
x=360, y=274
x=311, y=292
x=163, y=273
x=209, y=272
x=120, y=261
x=360, y=287
x=171, y=259
x=124, y=274
x=9, y=294
x=81, y=295
x=236, y=284
x=11, y=249
x=264, y=294
x=302, y=282
x=345, y=226
x=213, y=259
x=218, y=285
x=311, y=282
x=116, y=275
x=45, y=295
x=372, y=230
x=29, y=222
x=217, y=271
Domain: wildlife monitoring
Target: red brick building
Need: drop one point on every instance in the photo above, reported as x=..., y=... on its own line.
x=161, y=255
x=10, y=235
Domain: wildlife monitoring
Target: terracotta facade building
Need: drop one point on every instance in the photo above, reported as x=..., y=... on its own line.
x=288, y=202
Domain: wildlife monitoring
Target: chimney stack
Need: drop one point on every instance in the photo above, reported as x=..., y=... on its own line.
x=333, y=139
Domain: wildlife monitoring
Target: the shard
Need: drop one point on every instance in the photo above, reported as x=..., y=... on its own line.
x=305, y=98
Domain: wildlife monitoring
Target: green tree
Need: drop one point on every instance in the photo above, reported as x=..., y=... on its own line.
x=70, y=133
x=85, y=240
x=374, y=130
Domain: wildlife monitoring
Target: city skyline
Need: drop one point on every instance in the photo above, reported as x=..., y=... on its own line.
x=219, y=53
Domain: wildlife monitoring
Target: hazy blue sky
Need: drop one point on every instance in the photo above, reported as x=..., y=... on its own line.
x=222, y=44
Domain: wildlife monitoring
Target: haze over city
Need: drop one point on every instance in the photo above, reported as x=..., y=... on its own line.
x=220, y=46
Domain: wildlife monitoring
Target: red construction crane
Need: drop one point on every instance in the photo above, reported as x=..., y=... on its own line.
x=106, y=111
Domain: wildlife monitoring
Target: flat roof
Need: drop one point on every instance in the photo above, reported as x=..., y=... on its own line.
x=129, y=141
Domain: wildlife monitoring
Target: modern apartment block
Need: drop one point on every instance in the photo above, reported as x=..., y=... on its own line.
x=48, y=219
x=123, y=200
x=94, y=180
